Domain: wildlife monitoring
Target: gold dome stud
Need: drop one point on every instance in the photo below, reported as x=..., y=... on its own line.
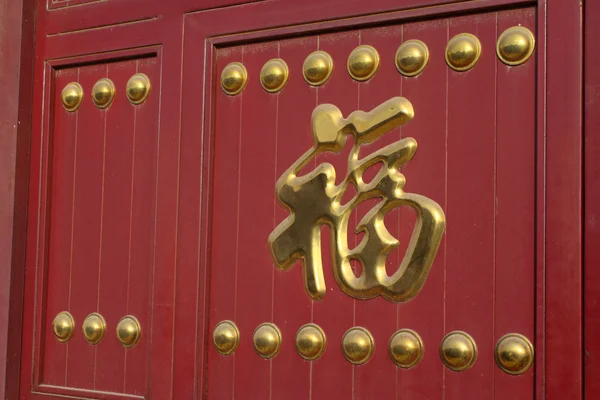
x=138, y=88
x=129, y=331
x=94, y=328
x=363, y=63
x=310, y=342
x=103, y=93
x=267, y=340
x=63, y=326
x=358, y=345
x=71, y=96
x=274, y=75
x=226, y=337
x=463, y=52
x=514, y=354
x=515, y=45
x=412, y=57
x=458, y=351
x=406, y=348
x=317, y=68
x=234, y=78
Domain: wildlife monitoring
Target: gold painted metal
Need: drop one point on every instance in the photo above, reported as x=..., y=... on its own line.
x=94, y=328
x=514, y=354
x=310, y=342
x=71, y=96
x=458, y=351
x=234, y=78
x=274, y=75
x=363, y=62
x=463, y=52
x=317, y=68
x=314, y=200
x=63, y=326
x=103, y=93
x=129, y=331
x=226, y=337
x=267, y=340
x=515, y=45
x=406, y=348
x=358, y=345
x=412, y=57
x=138, y=88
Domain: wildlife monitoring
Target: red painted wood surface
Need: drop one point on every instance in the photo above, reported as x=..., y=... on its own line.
x=563, y=204
x=485, y=271
x=16, y=78
x=591, y=98
x=99, y=186
x=195, y=260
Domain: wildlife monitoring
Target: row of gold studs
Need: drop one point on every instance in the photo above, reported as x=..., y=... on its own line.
x=129, y=330
x=103, y=92
x=515, y=45
x=458, y=351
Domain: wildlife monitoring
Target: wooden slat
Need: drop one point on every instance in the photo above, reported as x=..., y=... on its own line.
x=292, y=306
x=114, y=251
x=470, y=207
x=223, y=233
x=426, y=175
x=377, y=379
x=255, y=208
x=142, y=228
x=62, y=143
x=592, y=198
x=515, y=204
x=86, y=229
x=335, y=313
x=563, y=201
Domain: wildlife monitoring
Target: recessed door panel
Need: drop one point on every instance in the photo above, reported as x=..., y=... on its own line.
x=474, y=125
x=100, y=180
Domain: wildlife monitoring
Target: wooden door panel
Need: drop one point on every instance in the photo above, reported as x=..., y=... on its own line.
x=100, y=175
x=163, y=210
x=476, y=135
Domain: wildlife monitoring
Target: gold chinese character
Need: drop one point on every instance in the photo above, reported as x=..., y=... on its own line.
x=314, y=200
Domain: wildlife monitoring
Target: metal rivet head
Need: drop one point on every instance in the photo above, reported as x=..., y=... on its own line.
x=129, y=331
x=138, y=88
x=515, y=45
x=317, y=68
x=234, y=78
x=514, y=354
x=358, y=345
x=274, y=75
x=267, y=340
x=310, y=342
x=406, y=348
x=463, y=51
x=226, y=337
x=94, y=328
x=458, y=351
x=103, y=93
x=412, y=57
x=363, y=63
x=71, y=96
x=63, y=326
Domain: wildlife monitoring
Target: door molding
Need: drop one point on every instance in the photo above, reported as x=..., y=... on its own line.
x=16, y=79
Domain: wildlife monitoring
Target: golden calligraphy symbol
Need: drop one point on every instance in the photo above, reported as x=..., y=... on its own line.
x=314, y=200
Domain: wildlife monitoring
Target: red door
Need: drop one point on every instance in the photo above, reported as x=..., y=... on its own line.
x=285, y=200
